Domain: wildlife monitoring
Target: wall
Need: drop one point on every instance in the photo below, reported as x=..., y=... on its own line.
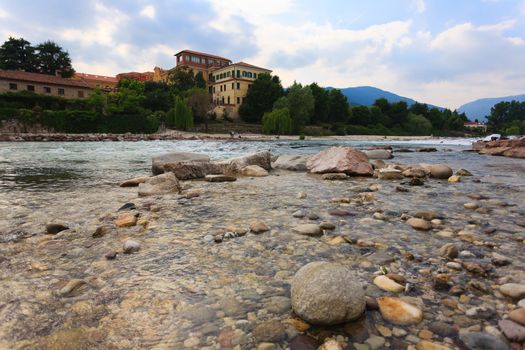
x=69, y=92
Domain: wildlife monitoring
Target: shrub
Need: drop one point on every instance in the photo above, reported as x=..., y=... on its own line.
x=277, y=121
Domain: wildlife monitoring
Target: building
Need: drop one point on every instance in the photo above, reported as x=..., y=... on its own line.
x=230, y=84
x=475, y=126
x=102, y=82
x=43, y=84
x=201, y=62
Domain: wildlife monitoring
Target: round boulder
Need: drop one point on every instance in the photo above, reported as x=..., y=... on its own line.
x=326, y=293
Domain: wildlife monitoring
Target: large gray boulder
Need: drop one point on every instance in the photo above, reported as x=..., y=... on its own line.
x=160, y=184
x=291, y=162
x=234, y=166
x=437, y=171
x=193, y=170
x=379, y=153
x=158, y=162
x=340, y=160
x=326, y=293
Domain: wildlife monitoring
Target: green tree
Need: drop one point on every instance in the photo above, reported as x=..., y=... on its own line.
x=181, y=78
x=158, y=96
x=199, y=80
x=383, y=105
x=277, y=121
x=417, y=125
x=360, y=116
x=320, y=113
x=51, y=58
x=419, y=108
x=182, y=115
x=398, y=112
x=300, y=102
x=338, y=108
x=378, y=117
x=265, y=90
x=17, y=54
x=98, y=101
x=129, y=97
x=199, y=101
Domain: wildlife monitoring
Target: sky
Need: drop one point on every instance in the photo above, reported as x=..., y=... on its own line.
x=442, y=52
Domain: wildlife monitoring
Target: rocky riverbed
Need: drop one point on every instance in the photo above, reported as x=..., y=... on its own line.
x=211, y=267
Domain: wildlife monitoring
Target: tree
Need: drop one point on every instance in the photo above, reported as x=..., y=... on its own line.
x=260, y=98
x=419, y=108
x=181, y=78
x=199, y=80
x=398, y=112
x=338, y=108
x=182, y=117
x=383, y=104
x=98, y=101
x=417, y=125
x=158, y=96
x=199, y=101
x=277, y=121
x=360, y=116
x=300, y=102
x=51, y=58
x=320, y=113
x=129, y=97
x=17, y=54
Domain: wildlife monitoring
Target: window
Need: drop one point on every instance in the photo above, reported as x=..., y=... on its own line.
x=254, y=75
x=30, y=88
x=238, y=73
x=13, y=86
x=221, y=88
x=233, y=73
x=238, y=100
x=214, y=89
x=228, y=99
x=238, y=86
x=187, y=58
x=228, y=74
x=233, y=86
x=61, y=92
x=47, y=89
x=80, y=94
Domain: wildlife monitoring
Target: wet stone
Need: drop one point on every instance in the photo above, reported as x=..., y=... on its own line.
x=482, y=341
x=269, y=331
x=54, y=228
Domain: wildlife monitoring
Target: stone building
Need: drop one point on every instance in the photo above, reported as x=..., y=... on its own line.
x=102, y=82
x=43, y=84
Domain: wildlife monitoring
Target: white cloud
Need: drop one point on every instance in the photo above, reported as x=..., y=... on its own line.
x=516, y=41
x=108, y=22
x=419, y=6
x=148, y=11
x=3, y=13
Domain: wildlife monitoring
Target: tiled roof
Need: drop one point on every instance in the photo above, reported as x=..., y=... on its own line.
x=203, y=54
x=96, y=77
x=41, y=78
x=249, y=66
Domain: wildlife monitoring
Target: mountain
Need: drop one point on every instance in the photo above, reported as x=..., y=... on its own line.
x=367, y=95
x=479, y=109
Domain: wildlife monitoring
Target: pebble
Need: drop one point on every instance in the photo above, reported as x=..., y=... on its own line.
x=512, y=330
x=449, y=251
x=388, y=285
x=335, y=176
x=330, y=344
x=513, y=290
x=54, y=228
x=326, y=225
x=399, y=312
x=266, y=346
x=304, y=342
x=258, y=227
x=376, y=342
x=454, y=265
x=130, y=246
x=518, y=316
x=426, y=345
x=220, y=178
x=419, y=224
x=112, y=255
x=101, y=231
x=521, y=303
x=454, y=179
x=308, y=230
x=299, y=214
x=70, y=287
x=471, y=205
x=398, y=332
x=301, y=195
x=500, y=260
x=482, y=341
x=126, y=220
x=384, y=331
x=442, y=329
x=269, y=331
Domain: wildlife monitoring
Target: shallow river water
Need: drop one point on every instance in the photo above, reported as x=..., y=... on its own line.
x=183, y=291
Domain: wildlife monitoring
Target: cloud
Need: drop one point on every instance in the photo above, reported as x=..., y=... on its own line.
x=148, y=11
x=419, y=6
x=3, y=13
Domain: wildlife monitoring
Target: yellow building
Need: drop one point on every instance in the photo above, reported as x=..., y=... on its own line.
x=230, y=84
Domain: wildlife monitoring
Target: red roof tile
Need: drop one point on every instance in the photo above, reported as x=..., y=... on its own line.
x=96, y=77
x=41, y=78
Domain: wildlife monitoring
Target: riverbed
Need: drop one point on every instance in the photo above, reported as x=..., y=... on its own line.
x=183, y=290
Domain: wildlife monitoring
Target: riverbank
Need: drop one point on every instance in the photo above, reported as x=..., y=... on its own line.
x=181, y=135
x=202, y=278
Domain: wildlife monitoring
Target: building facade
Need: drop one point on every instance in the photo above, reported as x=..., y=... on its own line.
x=43, y=84
x=229, y=86
x=201, y=62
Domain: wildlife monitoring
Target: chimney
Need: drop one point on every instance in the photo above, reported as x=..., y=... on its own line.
x=58, y=72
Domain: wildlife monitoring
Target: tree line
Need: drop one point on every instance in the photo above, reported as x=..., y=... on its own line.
x=284, y=111
x=507, y=118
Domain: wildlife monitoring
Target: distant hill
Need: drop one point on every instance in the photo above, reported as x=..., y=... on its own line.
x=367, y=95
x=480, y=109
